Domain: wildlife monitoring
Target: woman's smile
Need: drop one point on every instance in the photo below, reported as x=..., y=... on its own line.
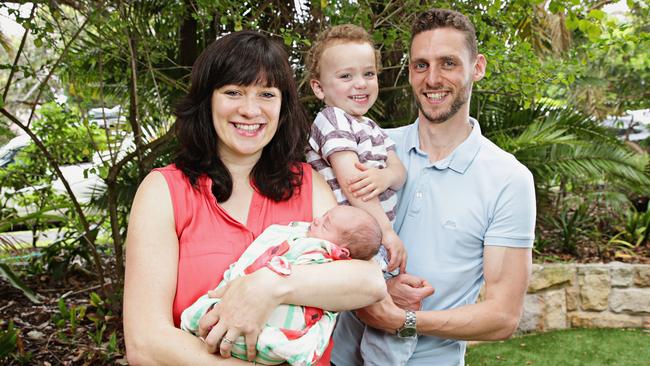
x=245, y=118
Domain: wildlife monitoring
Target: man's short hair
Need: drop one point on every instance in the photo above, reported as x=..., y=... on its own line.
x=445, y=18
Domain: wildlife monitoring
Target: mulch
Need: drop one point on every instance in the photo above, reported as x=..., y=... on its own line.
x=41, y=341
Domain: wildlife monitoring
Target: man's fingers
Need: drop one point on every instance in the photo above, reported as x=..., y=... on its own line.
x=410, y=280
x=424, y=292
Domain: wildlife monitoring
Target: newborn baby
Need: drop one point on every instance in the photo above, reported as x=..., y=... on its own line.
x=296, y=334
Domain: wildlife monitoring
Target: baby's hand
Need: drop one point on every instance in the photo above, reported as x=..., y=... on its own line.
x=370, y=183
x=396, y=251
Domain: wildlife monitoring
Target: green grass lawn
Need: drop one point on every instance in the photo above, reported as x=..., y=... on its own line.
x=579, y=347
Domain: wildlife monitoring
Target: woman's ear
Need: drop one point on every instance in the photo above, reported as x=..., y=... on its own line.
x=316, y=88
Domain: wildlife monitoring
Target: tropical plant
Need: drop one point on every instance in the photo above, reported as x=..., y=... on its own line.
x=564, y=148
x=634, y=230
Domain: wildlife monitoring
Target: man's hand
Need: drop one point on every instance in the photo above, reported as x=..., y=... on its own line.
x=408, y=291
x=384, y=315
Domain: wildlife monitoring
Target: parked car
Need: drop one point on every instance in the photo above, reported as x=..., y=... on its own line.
x=84, y=182
x=10, y=149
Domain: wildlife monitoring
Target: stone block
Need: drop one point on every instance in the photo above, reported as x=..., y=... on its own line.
x=622, y=274
x=532, y=317
x=642, y=276
x=572, y=299
x=632, y=300
x=547, y=276
x=555, y=313
x=594, y=284
x=604, y=320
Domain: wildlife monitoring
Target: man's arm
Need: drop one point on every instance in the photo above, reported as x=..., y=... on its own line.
x=506, y=270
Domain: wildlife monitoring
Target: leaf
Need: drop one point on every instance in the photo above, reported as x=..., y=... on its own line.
x=8, y=340
x=11, y=277
x=95, y=300
x=596, y=14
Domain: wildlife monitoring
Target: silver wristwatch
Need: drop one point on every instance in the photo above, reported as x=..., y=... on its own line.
x=408, y=329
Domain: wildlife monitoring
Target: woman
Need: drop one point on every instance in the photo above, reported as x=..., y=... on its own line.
x=242, y=133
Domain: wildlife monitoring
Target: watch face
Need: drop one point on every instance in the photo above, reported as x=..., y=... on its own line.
x=406, y=332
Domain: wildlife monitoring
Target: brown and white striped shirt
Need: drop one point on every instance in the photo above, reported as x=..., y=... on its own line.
x=334, y=130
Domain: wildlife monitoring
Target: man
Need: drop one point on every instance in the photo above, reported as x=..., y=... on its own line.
x=466, y=214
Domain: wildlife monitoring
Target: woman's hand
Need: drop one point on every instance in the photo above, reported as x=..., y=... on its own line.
x=246, y=304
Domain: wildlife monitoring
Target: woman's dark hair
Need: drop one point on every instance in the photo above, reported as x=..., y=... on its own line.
x=242, y=58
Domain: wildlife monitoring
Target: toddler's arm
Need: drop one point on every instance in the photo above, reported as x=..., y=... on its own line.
x=344, y=166
x=371, y=182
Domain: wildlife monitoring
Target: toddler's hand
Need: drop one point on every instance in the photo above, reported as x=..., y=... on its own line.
x=370, y=183
x=396, y=251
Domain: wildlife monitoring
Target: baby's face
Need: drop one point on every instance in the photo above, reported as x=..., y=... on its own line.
x=332, y=224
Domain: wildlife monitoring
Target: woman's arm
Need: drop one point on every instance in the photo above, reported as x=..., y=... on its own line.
x=150, y=285
x=322, y=196
x=248, y=301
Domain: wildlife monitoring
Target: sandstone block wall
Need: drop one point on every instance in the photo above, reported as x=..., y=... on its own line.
x=613, y=295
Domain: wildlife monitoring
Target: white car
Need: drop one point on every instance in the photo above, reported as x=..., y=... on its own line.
x=84, y=183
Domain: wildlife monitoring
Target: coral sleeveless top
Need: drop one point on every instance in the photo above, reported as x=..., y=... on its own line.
x=210, y=240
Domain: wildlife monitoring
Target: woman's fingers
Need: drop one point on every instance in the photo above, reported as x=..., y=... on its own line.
x=227, y=342
x=219, y=291
x=207, y=321
x=214, y=338
x=251, y=343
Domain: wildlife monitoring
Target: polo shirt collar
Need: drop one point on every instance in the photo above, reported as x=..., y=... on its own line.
x=461, y=158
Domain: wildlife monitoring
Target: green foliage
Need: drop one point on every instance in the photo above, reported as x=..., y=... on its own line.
x=563, y=145
x=7, y=274
x=68, y=319
x=582, y=172
x=60, y=257
x=571, y=224
x=634, y=231
x=8, y=339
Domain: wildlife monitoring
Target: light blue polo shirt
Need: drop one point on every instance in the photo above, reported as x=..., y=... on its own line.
x=447, y=211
